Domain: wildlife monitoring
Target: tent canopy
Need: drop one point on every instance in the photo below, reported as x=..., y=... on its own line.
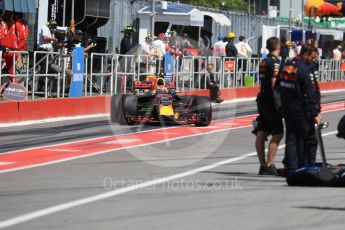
x=218, y=18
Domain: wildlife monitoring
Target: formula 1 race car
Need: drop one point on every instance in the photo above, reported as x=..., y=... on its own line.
x=154, y=101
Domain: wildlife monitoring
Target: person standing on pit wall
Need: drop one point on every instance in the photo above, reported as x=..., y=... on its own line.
x=126, y=45
x=244, y=52
x=219, y=47
x=269, y=121
x=301, y=110
x=230, y=49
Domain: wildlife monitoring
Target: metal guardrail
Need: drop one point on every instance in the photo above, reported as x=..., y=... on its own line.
x=20, y=72
x=113, y=73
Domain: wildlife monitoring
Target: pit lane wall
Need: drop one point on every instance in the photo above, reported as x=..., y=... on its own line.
x=11, y=111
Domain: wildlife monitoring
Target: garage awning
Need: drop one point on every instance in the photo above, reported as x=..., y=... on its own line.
x=22, y=6
x=218, y=18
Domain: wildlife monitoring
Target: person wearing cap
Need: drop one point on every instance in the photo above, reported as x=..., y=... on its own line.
x=230, y=48
x=219, y=47
x=126, y=44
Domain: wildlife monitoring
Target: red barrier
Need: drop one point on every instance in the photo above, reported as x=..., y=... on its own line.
x=11, y=111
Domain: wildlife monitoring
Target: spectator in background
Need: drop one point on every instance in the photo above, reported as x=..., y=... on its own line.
x=146, y=47
x=185, y=43
x=230, y=48
x=284, y=49
x=211, y=85
x=337, y=53
x=243, y=48
x=46, y=36
x=159, y=45
x=292, y=51
x=327, y=51
x=207, y=43
x=244, y=52
x=46, y=41
x=146, y=52
x=22, y=30
x=10, y=41
x=264, y=53
x=126, y=44
x=175, y=41
x=219, y=47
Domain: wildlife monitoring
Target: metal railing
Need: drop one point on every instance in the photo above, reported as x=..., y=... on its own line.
x=113, y=73
x=18, y=72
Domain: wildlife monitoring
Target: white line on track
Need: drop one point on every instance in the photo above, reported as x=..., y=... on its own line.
x=50, y=120
x=62, y=150
x=2, y=163
x=61, y=207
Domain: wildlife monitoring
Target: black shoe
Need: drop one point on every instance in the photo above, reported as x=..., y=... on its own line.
x=283, y=172
x=219, y=100
x=261, y=170
x=270, y=170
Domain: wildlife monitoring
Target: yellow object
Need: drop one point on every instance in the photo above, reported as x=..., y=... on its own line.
x=231, y=35
x=166, y=110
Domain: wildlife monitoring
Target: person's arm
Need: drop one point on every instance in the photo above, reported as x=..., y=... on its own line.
x=249, y=49
x=275, y=74
x=311, y=99
x=47, y=37
x=88, y=47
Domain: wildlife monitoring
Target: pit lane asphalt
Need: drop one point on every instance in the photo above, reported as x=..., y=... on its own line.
x=20, y=137
x=231, y=196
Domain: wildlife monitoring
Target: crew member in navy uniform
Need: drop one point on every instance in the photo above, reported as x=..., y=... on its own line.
x=301, y=110
x=269, y=121
x=315, y=79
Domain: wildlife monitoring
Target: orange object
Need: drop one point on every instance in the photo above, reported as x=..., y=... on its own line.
x=193, y=51
x=323, y=8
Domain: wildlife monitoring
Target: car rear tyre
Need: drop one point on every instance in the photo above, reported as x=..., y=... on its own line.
x=202, y=105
